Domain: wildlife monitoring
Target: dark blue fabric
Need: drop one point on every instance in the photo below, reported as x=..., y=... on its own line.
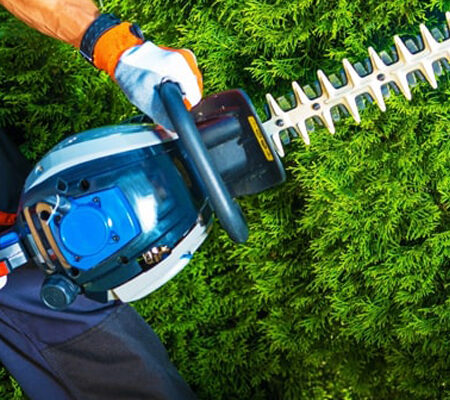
x=20, y=301
x=24, y=362
x=27, y=327
x=91, y=351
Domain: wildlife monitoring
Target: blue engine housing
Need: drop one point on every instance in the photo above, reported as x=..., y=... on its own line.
x=102, y=198
x=116, y=212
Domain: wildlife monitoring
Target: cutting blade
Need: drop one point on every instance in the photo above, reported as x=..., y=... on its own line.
x=411, y=62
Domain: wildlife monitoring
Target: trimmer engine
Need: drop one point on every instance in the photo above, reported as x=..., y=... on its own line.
x=115, y=212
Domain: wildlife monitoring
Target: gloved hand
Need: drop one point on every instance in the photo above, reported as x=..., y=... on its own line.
x=139, y=66
x=144, y=67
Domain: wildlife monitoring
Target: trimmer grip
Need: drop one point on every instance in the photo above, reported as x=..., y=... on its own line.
x=227, y=210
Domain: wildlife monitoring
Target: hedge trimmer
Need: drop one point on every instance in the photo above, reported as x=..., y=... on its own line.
x=115, y=212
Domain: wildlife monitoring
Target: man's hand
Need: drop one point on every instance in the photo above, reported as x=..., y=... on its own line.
x=139, y=66
x=141, y=69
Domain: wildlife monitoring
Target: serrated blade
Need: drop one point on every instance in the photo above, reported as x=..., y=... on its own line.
x=382, y=74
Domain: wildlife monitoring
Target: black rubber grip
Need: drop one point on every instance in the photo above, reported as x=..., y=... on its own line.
x=227, y=210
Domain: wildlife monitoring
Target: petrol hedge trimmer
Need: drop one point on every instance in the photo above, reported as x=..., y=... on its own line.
x=115, y=212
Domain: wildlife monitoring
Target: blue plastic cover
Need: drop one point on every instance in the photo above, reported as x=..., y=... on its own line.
x=82, y=241
x=97, y=226
x=8, y=239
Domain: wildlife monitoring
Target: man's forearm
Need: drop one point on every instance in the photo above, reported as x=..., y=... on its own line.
x=66, y=20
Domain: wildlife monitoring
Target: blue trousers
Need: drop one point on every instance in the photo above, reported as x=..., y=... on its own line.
x=90, y=351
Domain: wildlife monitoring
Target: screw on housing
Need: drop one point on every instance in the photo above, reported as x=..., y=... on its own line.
x=381, y=74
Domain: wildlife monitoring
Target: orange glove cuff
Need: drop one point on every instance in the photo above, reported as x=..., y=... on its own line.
x=111, y=45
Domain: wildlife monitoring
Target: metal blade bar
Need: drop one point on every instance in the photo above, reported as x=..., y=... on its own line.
x=357, y=85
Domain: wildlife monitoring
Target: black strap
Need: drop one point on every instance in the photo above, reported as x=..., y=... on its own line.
x=101, y=25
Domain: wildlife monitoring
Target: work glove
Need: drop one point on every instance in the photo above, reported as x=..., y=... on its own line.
x=140, y=66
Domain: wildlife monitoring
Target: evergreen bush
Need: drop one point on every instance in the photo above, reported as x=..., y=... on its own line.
x=342, y=291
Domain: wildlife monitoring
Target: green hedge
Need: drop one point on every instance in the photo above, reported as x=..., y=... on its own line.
x=342, y=290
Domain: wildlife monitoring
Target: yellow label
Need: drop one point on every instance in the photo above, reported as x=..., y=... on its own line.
x=261, y=140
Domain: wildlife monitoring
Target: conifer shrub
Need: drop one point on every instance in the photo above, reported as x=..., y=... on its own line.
x=342, y=291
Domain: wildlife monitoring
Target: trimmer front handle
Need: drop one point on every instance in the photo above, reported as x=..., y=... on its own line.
x=227, y=210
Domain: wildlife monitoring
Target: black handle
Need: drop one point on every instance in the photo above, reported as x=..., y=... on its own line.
x=227, y=210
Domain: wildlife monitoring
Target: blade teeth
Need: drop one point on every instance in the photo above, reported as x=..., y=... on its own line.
x=404, y=56
x=428, y=72
x=353, y=77
x=350, y=103
x=275, y=111
x=402, y=51
x=278, y=144
x=301, y=129
x=328, y=120
x=431, y=45
x=328, y=89
x=274, y=107
x=375, y=59
x=402, y=82
x=300, y=95
x=386, y=70
x=429, y=41
x=377, y=94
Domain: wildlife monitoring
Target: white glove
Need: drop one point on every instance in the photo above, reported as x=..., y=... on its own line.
x=143, y=68
x=139, y=66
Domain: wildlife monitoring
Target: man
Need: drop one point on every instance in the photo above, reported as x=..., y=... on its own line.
x=92, y=350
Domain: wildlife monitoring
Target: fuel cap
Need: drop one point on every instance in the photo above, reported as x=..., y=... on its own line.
x=85, y=231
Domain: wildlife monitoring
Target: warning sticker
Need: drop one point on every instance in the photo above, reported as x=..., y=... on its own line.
x=261, y=139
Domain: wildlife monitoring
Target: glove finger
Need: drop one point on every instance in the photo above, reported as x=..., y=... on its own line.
x=142, y=68
x=191, y=61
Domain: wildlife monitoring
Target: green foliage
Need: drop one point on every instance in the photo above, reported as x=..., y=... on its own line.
x=48, y=91
x=342, y=291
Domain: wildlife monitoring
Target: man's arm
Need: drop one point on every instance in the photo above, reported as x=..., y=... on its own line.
x=66, y=20
x=138, y=66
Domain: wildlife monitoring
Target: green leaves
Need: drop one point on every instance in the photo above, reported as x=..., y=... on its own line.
x=342, y=291
x=48, y=91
